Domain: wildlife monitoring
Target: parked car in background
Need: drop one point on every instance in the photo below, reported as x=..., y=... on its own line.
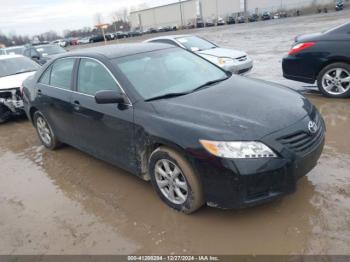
x=234, y=61
x=198, y=133
x=42, y=53
x=199, y=22
x=121, y=34
x=73, y=41
x=84, y=41
x=339, y=5
x=322, y=57
x=135, y=33
x=97, y=38
x=253, y=18
x=61, y=42
x=220, y=21
x=14, y=69
x=13, y=50
x=110, y=37
x=266, y=16
x=209, y=22
x=231, y=20
x=241, y=19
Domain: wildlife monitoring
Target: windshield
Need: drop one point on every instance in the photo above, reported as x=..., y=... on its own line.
x=167, y=71
x=14, y=50
x=195, y=43
x=341, y=29
x=50, y=50
x=17, y=65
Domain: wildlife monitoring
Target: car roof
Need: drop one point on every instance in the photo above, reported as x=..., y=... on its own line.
x=4, y=57
x=118, y=50
x=170, y=37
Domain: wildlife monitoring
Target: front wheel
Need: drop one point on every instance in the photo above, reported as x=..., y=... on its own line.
x=334, y=80
x=45, y=132
x=175, y=181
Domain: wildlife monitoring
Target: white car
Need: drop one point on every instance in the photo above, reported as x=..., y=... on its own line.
x=14, y=69
x=235, y=61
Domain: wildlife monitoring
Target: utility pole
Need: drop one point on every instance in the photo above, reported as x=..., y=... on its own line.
x=246, y=10
x=182, y=19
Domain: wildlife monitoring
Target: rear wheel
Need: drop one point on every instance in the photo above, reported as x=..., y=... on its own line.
x=5, y=114
x=175, y=181
x=334, y=80
x=45, y=132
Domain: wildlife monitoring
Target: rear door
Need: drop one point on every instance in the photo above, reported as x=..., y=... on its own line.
x=105, y=131
x=54, y=91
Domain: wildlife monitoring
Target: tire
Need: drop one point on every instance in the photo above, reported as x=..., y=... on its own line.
x=5, y=114
x=334, y=80
x=45, y=132
x=190, y=185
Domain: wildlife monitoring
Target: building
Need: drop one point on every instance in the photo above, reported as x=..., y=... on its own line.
x=186, y=11
x=175, y=14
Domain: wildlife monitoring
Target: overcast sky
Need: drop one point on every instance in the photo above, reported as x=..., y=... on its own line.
x=30, y=17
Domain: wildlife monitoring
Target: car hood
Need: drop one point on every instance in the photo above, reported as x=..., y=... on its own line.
x=223, y=52
x=13, y=80
x=238, y=108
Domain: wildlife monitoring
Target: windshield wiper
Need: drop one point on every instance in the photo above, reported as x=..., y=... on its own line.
x=169, y=95
x=209, y=83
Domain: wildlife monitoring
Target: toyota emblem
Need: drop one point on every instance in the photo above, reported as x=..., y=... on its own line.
x=312, y=127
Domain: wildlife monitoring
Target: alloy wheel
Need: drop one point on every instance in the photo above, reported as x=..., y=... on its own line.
x=171, y=182
x=44, y=130
x=336, y=81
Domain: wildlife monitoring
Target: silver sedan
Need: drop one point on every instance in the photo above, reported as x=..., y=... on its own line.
x=237, y=62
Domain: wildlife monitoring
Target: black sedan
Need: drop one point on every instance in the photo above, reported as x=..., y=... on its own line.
x=200, y=134
x=322, y=57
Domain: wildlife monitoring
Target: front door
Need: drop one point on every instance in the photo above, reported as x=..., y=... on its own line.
x=104, y=130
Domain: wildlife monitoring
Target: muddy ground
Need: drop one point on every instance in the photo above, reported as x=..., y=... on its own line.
x=66, y=202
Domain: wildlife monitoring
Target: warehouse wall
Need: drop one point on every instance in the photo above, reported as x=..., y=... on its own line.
x=273, y=5
x=168, y=15
x=220, y=8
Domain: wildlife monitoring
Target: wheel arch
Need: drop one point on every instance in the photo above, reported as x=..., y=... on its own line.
x=150, y=148
x=32, y=111
x=332, y=61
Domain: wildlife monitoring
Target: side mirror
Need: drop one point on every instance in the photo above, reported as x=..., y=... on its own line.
x=110, y=97
x=35, y=57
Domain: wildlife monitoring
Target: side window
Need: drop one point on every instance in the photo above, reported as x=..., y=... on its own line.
x=93, y=77
x=61, y=73
x=33, y=53
x=27, y=52
x=45, y=77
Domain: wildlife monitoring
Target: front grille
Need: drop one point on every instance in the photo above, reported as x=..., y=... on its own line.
x=242, y=58
x=302, y=142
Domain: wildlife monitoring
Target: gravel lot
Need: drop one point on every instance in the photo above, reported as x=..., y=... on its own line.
x=66, y=202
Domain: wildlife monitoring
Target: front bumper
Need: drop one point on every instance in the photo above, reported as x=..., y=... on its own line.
x=11, y=99
x=243, y=183
x=240, y=67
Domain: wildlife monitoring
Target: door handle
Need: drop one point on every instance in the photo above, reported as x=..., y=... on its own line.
x=76, y=105
x=39, y=92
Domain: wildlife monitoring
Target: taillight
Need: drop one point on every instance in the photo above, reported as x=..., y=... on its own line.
x=299, y=47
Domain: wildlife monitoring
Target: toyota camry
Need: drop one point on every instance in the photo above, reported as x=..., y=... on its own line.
x=200, y=134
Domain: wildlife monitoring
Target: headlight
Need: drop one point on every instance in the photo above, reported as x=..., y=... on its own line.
x=238, y=149
x=225, y=60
